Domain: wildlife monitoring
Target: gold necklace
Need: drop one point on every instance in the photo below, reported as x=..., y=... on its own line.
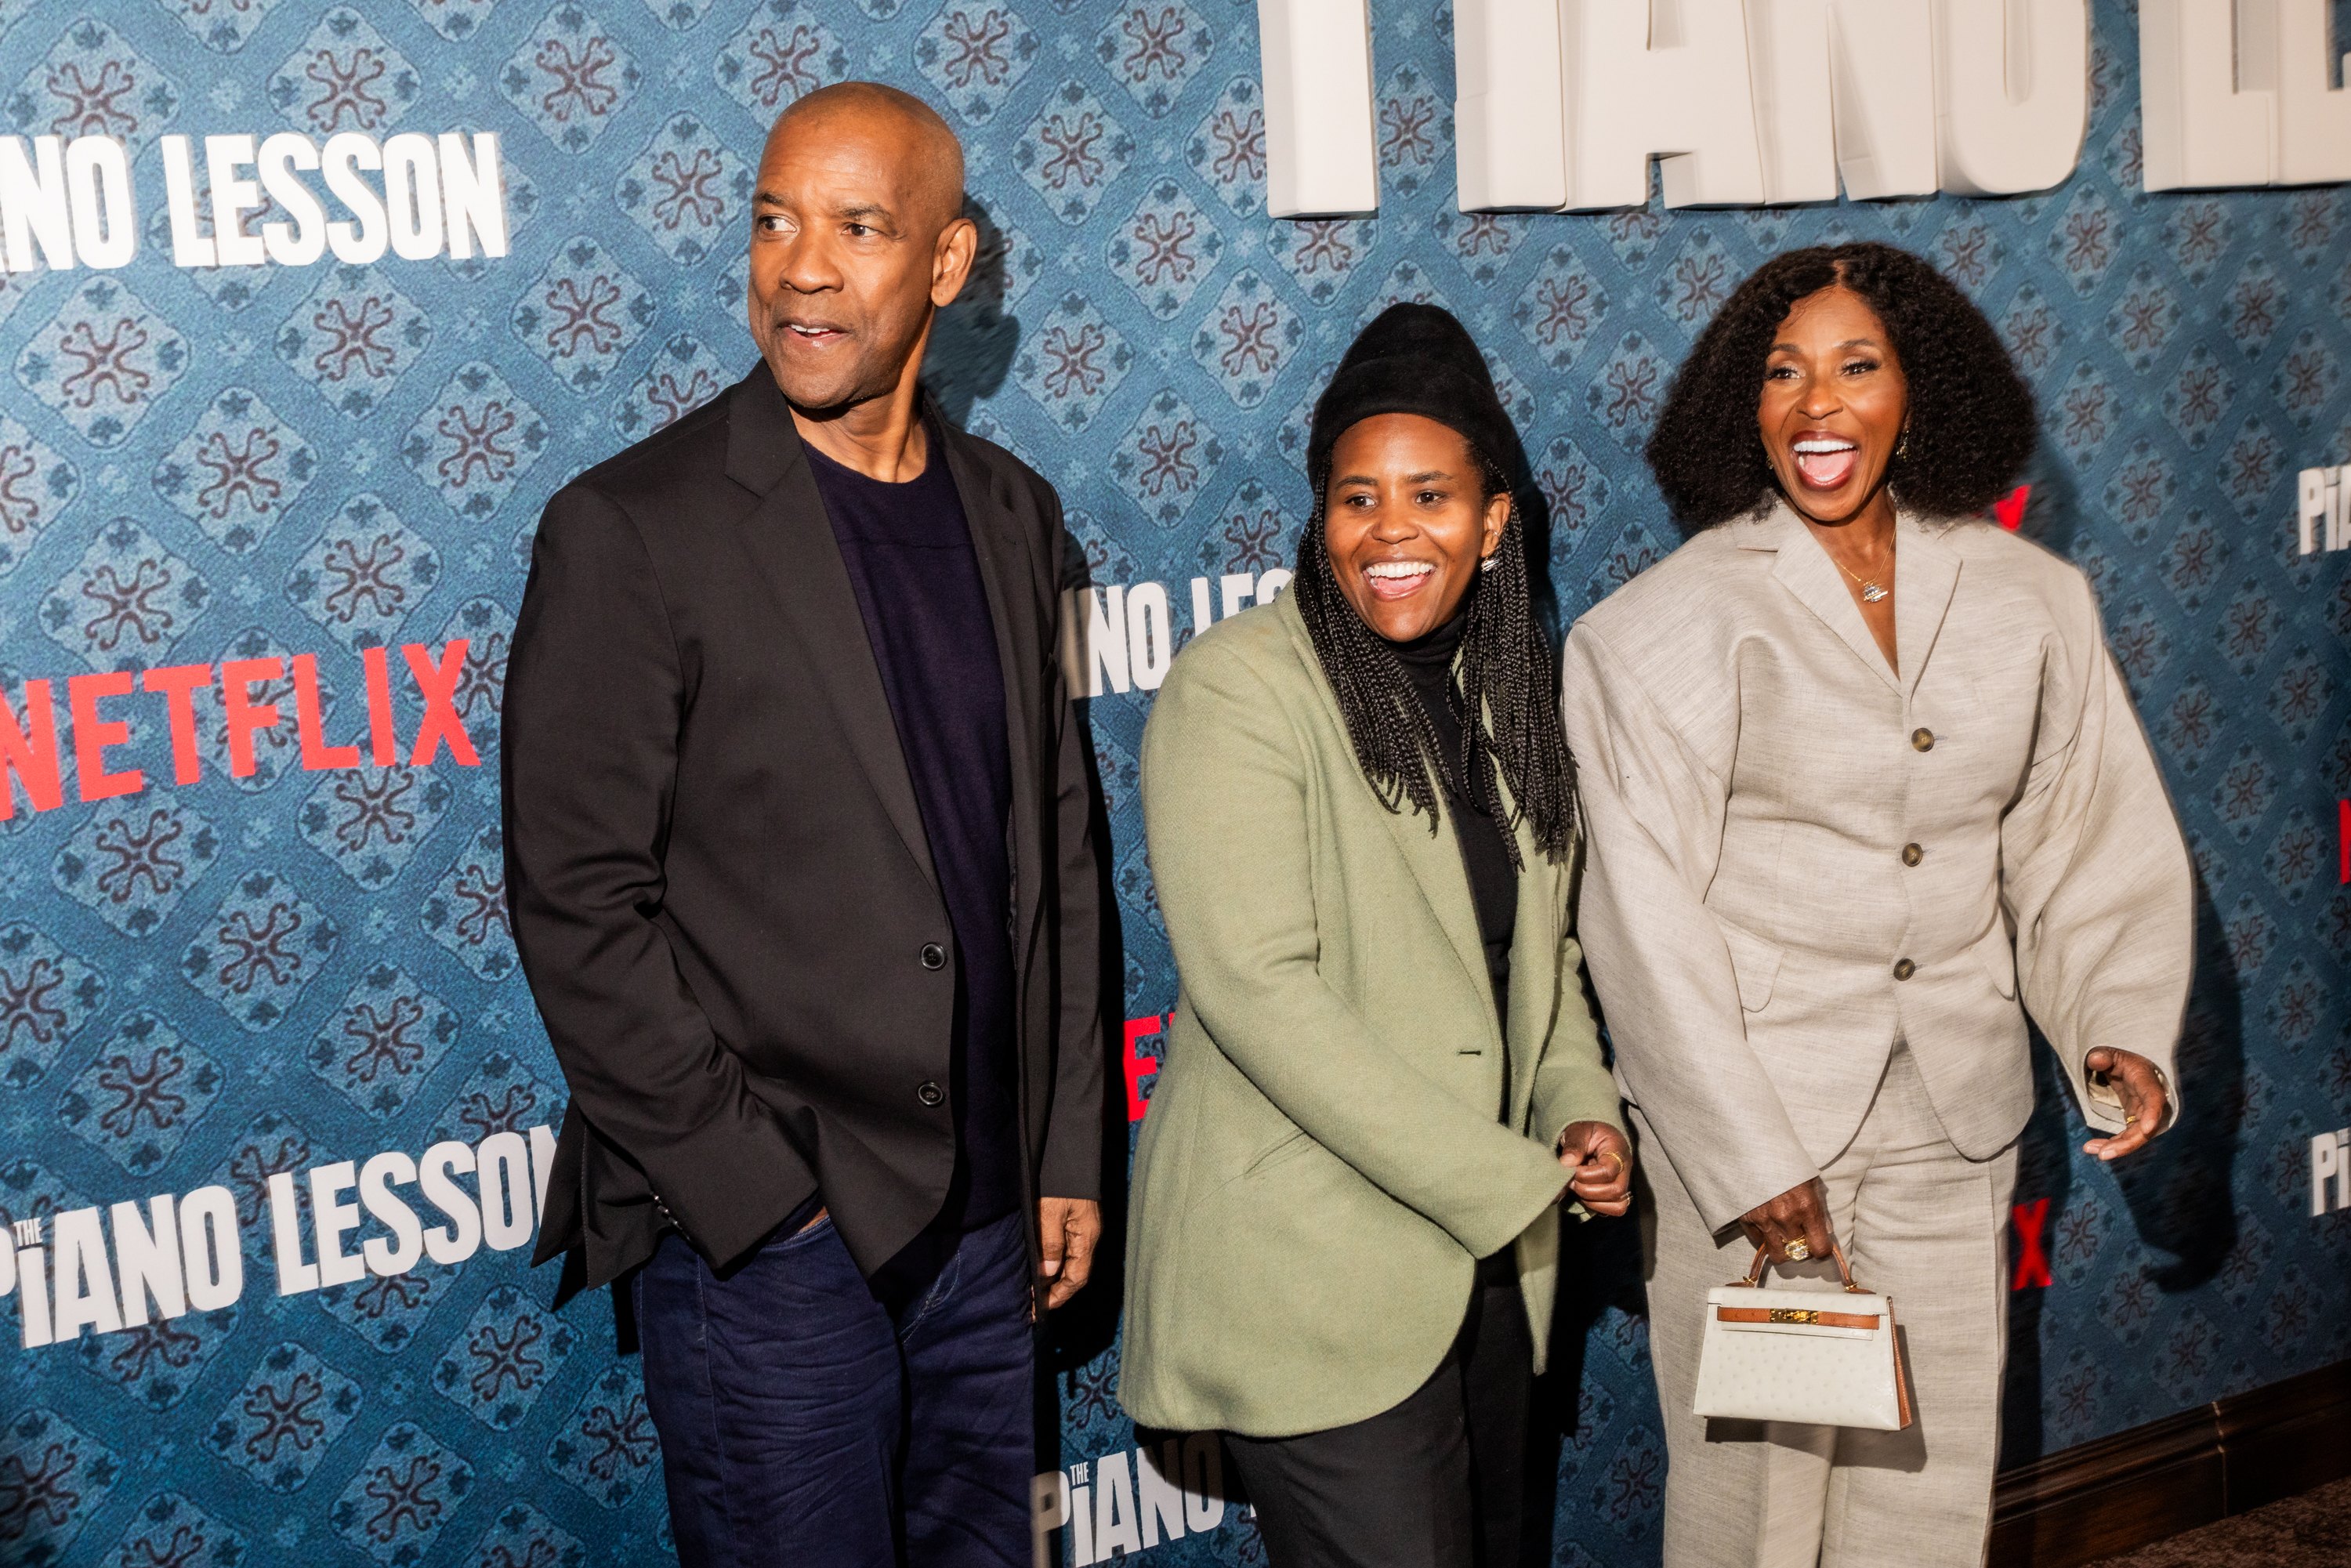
x=1870, y=591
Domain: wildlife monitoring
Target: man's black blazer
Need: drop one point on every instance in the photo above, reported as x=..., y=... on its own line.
x=721, y=887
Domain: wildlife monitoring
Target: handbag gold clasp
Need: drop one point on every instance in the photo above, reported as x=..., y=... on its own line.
x=1793, y=1315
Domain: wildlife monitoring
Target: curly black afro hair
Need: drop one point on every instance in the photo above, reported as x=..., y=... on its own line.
x=1972, y=425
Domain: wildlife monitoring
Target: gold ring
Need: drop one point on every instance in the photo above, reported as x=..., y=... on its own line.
x=1614, y=1156
x=1797, y=1251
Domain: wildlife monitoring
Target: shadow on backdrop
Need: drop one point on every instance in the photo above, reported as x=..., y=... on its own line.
x=1599, y=1268
x=1088, y=1326
x=973, y=341
x=2178, y=1189
x=2052, y=513
x=2044, y=1171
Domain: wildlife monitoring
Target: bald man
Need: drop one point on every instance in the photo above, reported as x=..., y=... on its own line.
x=796, y=829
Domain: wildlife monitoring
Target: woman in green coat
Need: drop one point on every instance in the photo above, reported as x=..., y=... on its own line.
x=1382, y=1081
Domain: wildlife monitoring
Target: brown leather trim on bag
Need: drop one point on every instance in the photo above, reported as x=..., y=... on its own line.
x=1793, y=1315
x=1901, y=1374
x=1844, y=1270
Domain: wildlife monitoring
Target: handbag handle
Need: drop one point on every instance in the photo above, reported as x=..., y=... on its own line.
x=1763, y=1261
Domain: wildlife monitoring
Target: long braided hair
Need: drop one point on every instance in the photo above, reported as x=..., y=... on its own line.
x=1504, y=692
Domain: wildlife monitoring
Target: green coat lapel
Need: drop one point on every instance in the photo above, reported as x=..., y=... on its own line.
x=1434, y=859
x=1535, y=978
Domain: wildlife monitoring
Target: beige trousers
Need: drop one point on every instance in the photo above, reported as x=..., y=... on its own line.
x=1925, y=1225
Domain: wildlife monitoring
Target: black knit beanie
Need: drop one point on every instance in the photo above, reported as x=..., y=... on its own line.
x=1414, y=358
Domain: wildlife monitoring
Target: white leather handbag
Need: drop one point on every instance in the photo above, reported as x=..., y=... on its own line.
x=1833, y=1361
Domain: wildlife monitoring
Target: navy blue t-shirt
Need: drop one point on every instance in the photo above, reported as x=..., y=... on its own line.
x=909, y=553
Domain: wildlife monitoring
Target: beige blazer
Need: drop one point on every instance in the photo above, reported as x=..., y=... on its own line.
x=1338, y=1131
x=1797, y=854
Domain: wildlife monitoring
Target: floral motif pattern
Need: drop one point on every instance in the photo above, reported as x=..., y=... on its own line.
x=384, y=1041
x=261, y=946
x=103, y=361
x=237, y=471
x=133, y=860
x=212, y=464
x=141, y=1096
x=280, y=1426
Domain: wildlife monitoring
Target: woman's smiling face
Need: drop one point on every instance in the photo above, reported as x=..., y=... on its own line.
x=1835, y=403
x=1405, y=522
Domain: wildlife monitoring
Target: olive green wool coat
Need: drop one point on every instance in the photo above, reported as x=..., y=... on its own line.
x=1322, y=1161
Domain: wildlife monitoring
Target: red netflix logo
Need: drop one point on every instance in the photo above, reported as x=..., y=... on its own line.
x=1142, y=1069
x=28, y=739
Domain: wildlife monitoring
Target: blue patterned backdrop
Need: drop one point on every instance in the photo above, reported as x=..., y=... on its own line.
x=267, y=973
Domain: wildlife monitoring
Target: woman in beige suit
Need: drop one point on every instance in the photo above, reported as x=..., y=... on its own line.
x=1382, y=1080
x=1861, y=787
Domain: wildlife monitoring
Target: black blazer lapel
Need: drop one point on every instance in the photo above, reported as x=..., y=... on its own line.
x=789, y=537
x=1007, y=572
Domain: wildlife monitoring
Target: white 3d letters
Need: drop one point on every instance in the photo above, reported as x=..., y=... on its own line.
x=1316, y=57
x=1561, y=103
x=2240, y=94
x=2011, y=93
x=1882, y=81
x=2199, y=130
x=1507, y=115
x=1790, y=62
x=1672, y=83
x=2314, y=119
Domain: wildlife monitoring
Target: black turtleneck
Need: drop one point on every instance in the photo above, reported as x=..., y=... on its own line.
x=1493, y=885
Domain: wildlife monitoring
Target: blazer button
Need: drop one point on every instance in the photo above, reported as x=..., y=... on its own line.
x=931, y=1094
x=1912, y=854
x=1923, y=739
x=1904, y=968
x=934, y=957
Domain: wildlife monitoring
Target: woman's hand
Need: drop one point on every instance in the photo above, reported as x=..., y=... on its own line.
x=2140, y=1086
x=1602, y=1162
x=1799, y=1214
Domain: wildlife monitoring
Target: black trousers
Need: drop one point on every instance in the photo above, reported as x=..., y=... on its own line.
x=1436, y=1481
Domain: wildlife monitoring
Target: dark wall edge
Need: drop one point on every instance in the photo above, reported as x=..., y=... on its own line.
x=2155, y=1481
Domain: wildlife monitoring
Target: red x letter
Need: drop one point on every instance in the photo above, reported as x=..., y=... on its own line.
x=439, y=689
x=2031, y=1261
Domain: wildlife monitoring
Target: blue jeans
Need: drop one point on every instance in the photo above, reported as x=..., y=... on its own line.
x=809, y=1417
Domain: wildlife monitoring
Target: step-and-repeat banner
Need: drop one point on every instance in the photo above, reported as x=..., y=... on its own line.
x=310, y=306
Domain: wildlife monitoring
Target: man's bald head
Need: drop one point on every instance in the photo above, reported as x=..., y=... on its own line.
x=923, y=143
x=857, y=237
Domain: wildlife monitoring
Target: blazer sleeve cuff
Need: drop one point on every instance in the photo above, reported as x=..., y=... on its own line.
x=1072, y=1166
x=2110, y=1118
x=1559, y=1115
x=704, y=1195
x=1499, y=1219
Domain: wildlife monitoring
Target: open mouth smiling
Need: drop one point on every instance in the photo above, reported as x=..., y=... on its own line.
x=1398, y=579
x=1824, y=462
